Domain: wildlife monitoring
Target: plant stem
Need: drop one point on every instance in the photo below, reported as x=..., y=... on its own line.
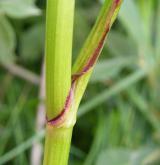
x=57, y=145
x=64, y=95
x=59, y=32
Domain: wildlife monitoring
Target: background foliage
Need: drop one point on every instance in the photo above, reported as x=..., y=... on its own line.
x=119, y=118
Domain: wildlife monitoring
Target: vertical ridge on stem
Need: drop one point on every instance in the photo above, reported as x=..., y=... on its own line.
x=59, y=32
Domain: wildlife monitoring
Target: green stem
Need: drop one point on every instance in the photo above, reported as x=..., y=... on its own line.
x=57, y=145
x=59, y=32
x=63, y=97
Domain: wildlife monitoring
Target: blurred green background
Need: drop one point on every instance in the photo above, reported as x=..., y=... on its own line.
x=119, y=118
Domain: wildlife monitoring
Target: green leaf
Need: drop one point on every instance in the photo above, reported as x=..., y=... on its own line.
x=29, y=1
x=105, y=70
x=7, y=40
x=32, y=43
x=18, y=8
x=21, y=148
x=108, y=93
x=79, y=34
x=141, y=102
x=124, y=156
x=97, y=141
x=158, y=32
x=121, y=45
x=130, y=17
x=146, y=9
x=114, y=157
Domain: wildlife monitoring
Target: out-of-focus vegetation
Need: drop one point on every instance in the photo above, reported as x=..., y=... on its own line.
x=119, y=118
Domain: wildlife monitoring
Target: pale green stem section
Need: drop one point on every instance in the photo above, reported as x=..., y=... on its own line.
x=57, y=145
x=59, y=32
x=106, y=18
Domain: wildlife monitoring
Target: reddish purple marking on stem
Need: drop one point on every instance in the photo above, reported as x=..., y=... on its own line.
x=117, y=2
x=60, y=118
x=93, y=58
x=97, y=51
x=76, y=76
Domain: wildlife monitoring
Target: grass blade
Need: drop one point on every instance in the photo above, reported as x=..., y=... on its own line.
x=117, y=88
